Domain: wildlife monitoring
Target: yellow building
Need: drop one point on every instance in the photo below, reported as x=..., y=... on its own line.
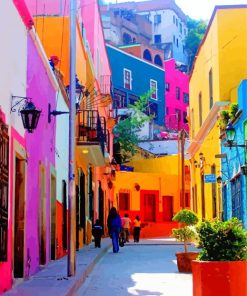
x=152, y=191
x=220, y=65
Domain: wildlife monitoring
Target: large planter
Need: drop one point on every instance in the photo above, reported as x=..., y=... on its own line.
x=219, y=278
x=184, y=261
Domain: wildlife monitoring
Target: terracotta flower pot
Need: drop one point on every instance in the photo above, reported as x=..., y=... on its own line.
x=219, y=278
x=184, y=261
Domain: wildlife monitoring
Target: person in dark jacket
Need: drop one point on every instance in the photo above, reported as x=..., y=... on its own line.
x=114, y=227
x=97, y=232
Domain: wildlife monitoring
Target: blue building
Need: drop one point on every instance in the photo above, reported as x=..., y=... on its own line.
x=133, y=77
x=234, y=173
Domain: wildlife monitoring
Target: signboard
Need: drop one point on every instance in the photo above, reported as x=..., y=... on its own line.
x=211, y=178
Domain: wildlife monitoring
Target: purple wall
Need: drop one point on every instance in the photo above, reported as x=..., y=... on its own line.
x=41, y=148
x=175, y=78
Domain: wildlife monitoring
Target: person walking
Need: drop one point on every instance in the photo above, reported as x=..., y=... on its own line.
x=126, y=227
x=97, y=232
x=114, y=227
x=137, y=229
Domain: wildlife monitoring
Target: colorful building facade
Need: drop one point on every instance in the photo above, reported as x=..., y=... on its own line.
x=130, y=82
x=233, y=165
x=215, y=76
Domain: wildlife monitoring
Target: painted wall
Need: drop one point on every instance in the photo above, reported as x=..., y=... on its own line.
x=13, y=82
x=140, y=83
x=236, y=157
x=218, y=52
x=40, y=88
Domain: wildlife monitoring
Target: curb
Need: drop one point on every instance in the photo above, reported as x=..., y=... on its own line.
x=80, y=278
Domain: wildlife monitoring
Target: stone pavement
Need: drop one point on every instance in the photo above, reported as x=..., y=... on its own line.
x=53, y=280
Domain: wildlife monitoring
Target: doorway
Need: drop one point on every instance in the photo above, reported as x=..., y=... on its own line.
x=19, y=217
x=42, y=215
x=53, y=217
x=101, y=205
x=167, y=208
x=149, y=207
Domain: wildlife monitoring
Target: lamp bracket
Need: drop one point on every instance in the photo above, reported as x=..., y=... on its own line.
x=54, y=113
x=231, y=144
x=15, y=103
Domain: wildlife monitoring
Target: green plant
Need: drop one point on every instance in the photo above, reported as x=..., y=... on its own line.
x=224, y=119
x=187, y=233
x=233, y=110
x=222, y=241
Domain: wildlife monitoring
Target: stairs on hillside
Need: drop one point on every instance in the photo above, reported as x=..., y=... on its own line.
x=153, y=229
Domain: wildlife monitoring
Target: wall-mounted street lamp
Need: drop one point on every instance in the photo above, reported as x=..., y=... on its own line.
x=54, y=113
x=230, y=136
x=79, y=92
x=29, y=114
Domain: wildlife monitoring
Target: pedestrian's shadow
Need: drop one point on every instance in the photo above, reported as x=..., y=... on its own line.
x=148, y=293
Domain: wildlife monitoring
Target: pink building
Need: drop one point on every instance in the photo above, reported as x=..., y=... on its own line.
x=177, y=96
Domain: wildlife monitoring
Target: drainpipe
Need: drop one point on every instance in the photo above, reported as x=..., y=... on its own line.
x=71, y=198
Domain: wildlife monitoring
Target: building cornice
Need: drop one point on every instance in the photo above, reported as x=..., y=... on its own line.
x=207, y=125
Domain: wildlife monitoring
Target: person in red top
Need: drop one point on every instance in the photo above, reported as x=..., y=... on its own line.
x=137, y=229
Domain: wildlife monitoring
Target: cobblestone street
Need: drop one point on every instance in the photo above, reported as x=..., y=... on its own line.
x=138, y=270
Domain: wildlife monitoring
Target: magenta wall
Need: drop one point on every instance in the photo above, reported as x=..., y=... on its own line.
x=175, y=78
x=40, y=148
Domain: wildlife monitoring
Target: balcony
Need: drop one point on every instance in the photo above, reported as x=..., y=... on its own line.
x=91, y=137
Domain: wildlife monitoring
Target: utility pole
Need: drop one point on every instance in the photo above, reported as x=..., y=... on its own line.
x=182, y=141
x=71, y=200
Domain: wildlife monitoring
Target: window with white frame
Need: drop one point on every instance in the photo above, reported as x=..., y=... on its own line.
x=127, y=79
x=153, y=88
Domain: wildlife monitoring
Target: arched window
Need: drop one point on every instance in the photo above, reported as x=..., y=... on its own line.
x=158, y=61
x=147, y=55
x=127, y=38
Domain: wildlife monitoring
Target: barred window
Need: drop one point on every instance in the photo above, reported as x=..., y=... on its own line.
x=236, y=197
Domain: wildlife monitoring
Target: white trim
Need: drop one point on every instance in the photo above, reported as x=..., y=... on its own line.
x=130, y=73
x=207, y=125
x=136, y=58
x=156, y=89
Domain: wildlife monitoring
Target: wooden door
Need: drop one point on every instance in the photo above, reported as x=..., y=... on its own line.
x=149, y=207
x=53, y=217
x=19, y=218
x=42, y=215
x=167, y=208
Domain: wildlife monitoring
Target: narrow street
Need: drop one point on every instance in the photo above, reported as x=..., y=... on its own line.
x=138, y=270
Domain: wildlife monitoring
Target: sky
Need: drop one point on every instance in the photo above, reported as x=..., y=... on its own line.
x=197, y=9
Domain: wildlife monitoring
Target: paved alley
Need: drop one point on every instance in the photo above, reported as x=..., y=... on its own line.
x=148, y=269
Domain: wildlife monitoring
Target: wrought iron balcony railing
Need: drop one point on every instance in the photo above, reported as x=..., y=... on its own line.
x=91, y=128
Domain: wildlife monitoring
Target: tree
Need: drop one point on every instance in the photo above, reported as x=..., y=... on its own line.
x=126, y=130
x=196, y=31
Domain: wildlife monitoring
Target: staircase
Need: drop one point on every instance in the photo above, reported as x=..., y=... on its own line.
x=152, y=229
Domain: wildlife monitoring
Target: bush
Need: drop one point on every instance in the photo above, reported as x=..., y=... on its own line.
x=187, y=217
x=222, y=241
x=187, y=233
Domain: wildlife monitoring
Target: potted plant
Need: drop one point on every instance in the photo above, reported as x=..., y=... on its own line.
x=186, y=233
x=221, y=268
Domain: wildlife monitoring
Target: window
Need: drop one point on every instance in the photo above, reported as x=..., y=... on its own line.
x=167, y=85
x=214, y=198
x=177, y=42
x=157, y=60
x=186, y=98
x=176, y=22
x=174, y=19
x=210, y=79
x=157, y=38
x=177, y=93
x=124, y=201
x=174, y=39
x=167, y=111
x=127, y=39
x=200, y=108
x=153, y=88
x=180, y=28
x=184, y=31
x=178, y=115
x=147, y=55
x=153, y=109
x=185, y=117
x=236, y=197
x=119, y=100
x=4, y=181
x=127, y=79
x=157, y=19
x=132, y=99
